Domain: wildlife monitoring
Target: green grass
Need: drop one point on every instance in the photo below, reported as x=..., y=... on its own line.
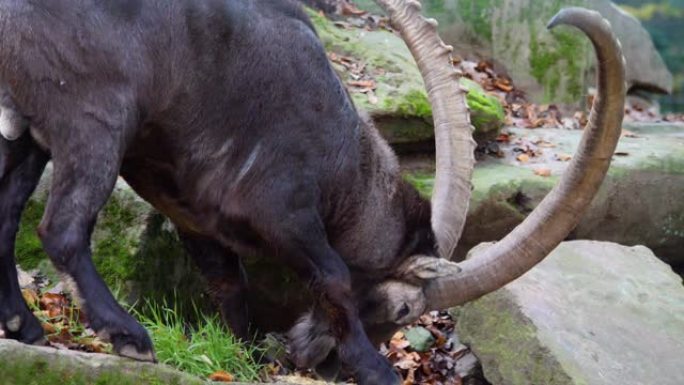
x=200, y=349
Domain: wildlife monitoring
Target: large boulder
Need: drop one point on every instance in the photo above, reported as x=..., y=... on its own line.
x=646, y=69
x=549, y=66
x=638, y=203
x=590, y=313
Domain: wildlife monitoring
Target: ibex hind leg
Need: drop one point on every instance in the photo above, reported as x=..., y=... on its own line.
x=86, y=151
x=226, y=277
x=19, y=180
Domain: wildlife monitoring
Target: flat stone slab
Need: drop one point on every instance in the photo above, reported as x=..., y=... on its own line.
x=22, y=364
x=590, y=313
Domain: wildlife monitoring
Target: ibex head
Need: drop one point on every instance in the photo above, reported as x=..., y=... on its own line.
x=425, y=282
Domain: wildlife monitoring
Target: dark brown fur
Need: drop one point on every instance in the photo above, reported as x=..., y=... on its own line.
x=227, y=117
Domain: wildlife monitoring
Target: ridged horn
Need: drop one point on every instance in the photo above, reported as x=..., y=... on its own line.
x=562, y=208
x=454, y=144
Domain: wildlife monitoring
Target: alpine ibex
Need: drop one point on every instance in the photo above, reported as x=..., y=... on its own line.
x=228, y=118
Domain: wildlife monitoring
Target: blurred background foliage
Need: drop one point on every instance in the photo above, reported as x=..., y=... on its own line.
x=664, y=20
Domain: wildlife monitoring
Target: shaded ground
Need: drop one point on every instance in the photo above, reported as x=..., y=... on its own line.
x=427, y=352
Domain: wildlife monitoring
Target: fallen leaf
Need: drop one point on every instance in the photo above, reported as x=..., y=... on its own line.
x=523, y=158
x=30, y=296
x=410, y=377
x=542, y=172
x=362, y=84
x=221, y=376
x=545, y=144
x=629, y=134
x=503, y=84
x=564, y=157
x=51, y=300
x=351, y=10
x=48, y=328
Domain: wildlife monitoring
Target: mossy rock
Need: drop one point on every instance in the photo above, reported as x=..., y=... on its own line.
x=584, y=315
x=135, y=249
x=486, y=111
x=31, y=365
x=402, y=110
x=649, y=169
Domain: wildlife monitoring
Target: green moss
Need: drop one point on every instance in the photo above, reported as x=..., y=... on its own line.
x=422, y=181
x=559, y=62
x=37, y=371
x=493, y=181
x=647, y=12
x=28, y=248
x=164, y=269
x=478, y=15
x=115, y=245
x=414, y=104
x=486, y=112
x=135, y=251
x=519, y=358
x=674, y=225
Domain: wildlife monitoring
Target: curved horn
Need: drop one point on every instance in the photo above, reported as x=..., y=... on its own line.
x=562, y=208
x=454, y=144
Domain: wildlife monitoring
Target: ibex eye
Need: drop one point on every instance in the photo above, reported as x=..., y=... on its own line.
x=403, y=312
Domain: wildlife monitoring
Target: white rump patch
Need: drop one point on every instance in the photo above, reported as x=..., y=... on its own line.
x=11, y=126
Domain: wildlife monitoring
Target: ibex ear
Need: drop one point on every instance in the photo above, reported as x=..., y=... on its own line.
x=420, y=268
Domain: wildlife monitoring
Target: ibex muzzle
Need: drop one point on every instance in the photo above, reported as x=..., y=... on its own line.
x=227, y=117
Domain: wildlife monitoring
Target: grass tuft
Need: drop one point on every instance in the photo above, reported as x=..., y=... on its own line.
x=200, y=349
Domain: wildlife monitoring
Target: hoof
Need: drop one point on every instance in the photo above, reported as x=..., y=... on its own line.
x=130, y=351
x=14, y=324
x=24, y=328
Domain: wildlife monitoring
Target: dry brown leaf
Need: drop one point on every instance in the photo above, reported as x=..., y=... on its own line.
x=221, y=376
x=503, y=138
x=30, y=296
x=564, y=157
x=523, y=158
x=406, y=363
x=48, y=328
x=503, y=84
x=410, y=377
x=545, y=172
x=544, y=144
x=362, y=84
x=351, y=10
x=628, y=134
